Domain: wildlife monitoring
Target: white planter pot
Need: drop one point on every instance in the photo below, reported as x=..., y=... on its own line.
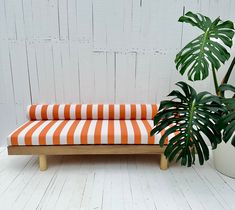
x=224, y=156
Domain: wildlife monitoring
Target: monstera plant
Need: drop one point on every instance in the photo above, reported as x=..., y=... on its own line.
x=208, y=51
x=227, y=122
x=190, y=116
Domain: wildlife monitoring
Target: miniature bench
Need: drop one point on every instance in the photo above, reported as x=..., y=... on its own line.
x=69, y=129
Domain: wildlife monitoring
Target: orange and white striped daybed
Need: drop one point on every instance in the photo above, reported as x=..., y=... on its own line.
x=86, y=129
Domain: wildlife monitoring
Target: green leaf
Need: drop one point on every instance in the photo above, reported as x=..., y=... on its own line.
x=206, y=51
x=186, y=117
x=226, y=87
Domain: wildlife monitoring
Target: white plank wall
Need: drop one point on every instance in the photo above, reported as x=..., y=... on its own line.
x=92, y=51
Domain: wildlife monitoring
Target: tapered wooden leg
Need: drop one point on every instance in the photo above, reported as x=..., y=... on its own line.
x=43, y=162
x=163, y=162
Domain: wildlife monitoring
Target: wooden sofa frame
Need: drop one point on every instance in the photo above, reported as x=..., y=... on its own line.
x=43, y=151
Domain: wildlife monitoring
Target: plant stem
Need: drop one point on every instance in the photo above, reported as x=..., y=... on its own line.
x=215, y=82
x=227, y=75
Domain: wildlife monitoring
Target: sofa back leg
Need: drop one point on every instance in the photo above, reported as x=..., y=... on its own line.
x=163, y=162
x=43, y=162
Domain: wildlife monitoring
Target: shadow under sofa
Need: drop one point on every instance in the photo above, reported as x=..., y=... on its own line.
x=87, y=129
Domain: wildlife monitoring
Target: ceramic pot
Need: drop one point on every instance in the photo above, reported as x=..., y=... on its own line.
x=224, y=156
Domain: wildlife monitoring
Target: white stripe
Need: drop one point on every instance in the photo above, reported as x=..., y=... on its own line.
x=49, y=135
x=106, y=111
x=117, y=132
x=127, y=111
x=28, y=112
x=116, y=111
x=104, y=132
x=38, y=112
x=150, y=122
x=64, y=132
x=72, y=111
x=95, y=111
x=61, y=111
x=35, y=135
x=91, y=132
x=83, y=112
x=156, y=136
x=149, y=111
x=50, y=112
x=130, y=131
x=9, y=136
x=138, y=111
x=77, y=132
x=21, y=136
x=143, y=131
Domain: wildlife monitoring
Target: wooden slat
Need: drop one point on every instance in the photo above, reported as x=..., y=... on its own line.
x=85, y=149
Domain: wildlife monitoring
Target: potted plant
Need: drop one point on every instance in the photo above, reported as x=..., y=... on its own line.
x=225, y=152
x=191, y=115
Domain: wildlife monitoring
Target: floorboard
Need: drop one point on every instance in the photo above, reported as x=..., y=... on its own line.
x=116, y=182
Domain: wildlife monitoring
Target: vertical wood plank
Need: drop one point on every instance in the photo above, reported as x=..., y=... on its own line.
x=45, y=72
x=20, y=78
x=8, y=120
x=104, y=78
x=125, y=77
x=87, y=74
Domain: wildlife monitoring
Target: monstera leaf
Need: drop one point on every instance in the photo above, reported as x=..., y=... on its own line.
x=208, y=50
x=227, y=122
x=188, y=115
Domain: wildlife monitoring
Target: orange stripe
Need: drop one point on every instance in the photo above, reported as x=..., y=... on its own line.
x=137, y=133
x=43, y=133
x=44, y=112
x=89, y=112
x=14, y=136
x=78, y=111
x=133, y=111
x=70, y=135
x=28, y=135
x=56, y=112
x=110, y=131
x=148, y=128
x=57, y=132
x=85, y=131
x=111, y=111
x=143, y=112
x=124, y=134
x=32, y=112
x=100, y=112
x=122, y=112
x=67, y=112
x=97, y=135
x=154, y=110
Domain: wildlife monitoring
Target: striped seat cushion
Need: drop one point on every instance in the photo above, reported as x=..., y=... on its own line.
x=61, y=132
x=92, y=112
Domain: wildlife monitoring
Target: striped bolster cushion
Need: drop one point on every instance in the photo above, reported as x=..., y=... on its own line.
x=92, y=112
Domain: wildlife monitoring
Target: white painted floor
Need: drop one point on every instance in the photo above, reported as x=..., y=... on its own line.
x=110, y=183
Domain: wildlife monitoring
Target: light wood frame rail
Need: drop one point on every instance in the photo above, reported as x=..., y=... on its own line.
x=43, y=151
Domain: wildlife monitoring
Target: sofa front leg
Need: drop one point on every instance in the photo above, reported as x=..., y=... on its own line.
x=43, y=162
x=163, y=162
